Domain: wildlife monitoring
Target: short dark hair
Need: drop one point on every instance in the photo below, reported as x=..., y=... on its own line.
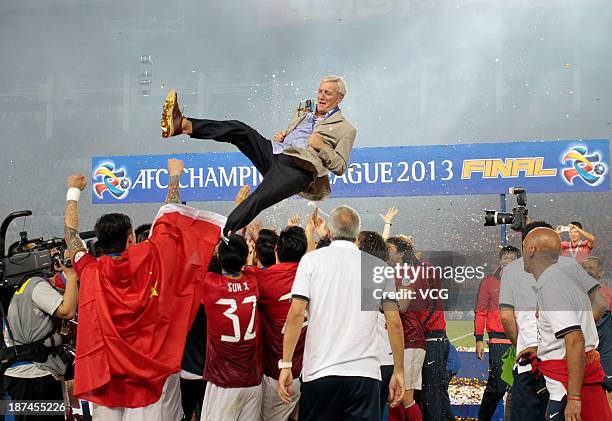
x=578, y=224
x=292, y=244
x=142, y=232
x=264, y=247
x=509, y=250
x=112, y=231
x=533, y=225
x=233, y=254
x=374, y=244
x=323, y=242
x=215, y=266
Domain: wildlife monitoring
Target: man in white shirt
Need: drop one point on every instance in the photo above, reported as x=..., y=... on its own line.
x=341, y=367
x=517, y=302
x=567, y=336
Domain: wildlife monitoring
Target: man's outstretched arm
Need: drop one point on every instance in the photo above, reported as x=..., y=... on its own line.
x=76, y=184
x=175, y=170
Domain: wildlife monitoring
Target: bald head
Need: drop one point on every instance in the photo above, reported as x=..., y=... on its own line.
x=544, y=240
x=541, y=249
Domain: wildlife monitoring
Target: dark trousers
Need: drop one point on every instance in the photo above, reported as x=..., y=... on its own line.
x=38, y=389
x=433, y=399
x=386, y=371
x=496, y=387
x=282, y=177
x=192, y=395
x=556, y=410
x=526, y=403
x=335, y=398
x=604, y=330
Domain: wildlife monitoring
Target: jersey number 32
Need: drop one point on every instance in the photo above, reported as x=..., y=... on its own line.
x=229, y=313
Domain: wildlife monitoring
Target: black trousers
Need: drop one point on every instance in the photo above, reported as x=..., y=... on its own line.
x=556, y=410
x=433, y=399
x=526, y=403
x=334, y=398
x=192, y=395
x=496, y=387
x=282, y=177
x=39, y=389
x=386, y=371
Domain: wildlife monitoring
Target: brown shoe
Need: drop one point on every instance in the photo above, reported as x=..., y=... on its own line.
x=171, y=116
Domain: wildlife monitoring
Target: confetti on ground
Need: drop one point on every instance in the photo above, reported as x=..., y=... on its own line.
x=464, y=391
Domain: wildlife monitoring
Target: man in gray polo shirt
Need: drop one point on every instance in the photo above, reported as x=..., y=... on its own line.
x=567, y=336
x=517, y=302
x=341, y=367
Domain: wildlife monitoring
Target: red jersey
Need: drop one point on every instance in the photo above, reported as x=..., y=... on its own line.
x=414, y=337
x=487, y=311
x=233, y=351
x=275, y=285
x=580, y=251
x=437, y=320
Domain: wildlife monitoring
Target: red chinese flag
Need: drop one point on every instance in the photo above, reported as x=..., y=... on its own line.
x=135, y=310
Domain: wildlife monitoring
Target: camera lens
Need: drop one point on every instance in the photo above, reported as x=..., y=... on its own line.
x=490, y=218
x=493, y=218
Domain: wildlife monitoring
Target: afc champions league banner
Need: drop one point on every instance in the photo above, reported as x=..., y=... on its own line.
x=463, y=169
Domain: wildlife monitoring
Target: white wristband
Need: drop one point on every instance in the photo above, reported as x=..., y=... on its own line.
x=73, y=194
x=282, y=364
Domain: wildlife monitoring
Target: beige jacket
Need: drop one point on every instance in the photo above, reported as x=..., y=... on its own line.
x=339, y=136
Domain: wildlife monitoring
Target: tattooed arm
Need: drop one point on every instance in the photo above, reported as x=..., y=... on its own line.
x=175, y=169
x=71, y=217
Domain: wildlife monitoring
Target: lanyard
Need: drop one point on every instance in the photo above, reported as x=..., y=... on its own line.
x=327, y=115
x=574, y=251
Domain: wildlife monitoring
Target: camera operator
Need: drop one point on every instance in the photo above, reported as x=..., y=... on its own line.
x=38, y=371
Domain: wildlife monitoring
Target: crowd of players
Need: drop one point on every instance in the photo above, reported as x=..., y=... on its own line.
x=238, y=363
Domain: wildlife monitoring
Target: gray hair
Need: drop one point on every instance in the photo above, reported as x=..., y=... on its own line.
x=597, y=261
x=344, y=222
x=339, y=80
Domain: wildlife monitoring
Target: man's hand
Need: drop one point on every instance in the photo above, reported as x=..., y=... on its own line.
x=294, y=221
x=77, y=180
x=285, y=383
x=251, y=255
x=311, y=221
x=526, y=353
x=68, y=272
x=279, y=136
x=253, y=229
x=396, y=389
x=316, y=142
x=243, y=193
x=559, y=229
x=572, y=410
x=175, y=167
x=322, y=228
x=480, y=349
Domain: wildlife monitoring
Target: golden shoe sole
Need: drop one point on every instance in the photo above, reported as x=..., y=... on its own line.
x=166, y=119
